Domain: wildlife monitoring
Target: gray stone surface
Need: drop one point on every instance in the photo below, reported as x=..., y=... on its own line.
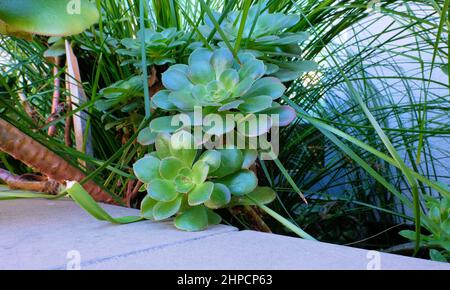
x=40, y=234
x=259, y=251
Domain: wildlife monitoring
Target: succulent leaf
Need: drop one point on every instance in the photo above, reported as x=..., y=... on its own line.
x=164, y=210
x=212, y=158
x=162, y=190
x=200, y=172
x=262, y=195
x=169, y=167
x=220, y=196
x=146, y=136
x=147, y=169
x=231, y=161
x=240, y=183
x=201, y=193
x=193, y=219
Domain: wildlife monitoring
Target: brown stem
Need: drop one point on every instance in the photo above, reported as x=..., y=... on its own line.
x=129, y=198
x=28, y=107
x=255, y=219
x=34, y=154
x=252, y=217
x=68, y=125
x=56, y=96
x=19, y=182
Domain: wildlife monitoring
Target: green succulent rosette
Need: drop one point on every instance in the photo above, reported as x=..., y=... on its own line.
x=179, y=183
x=269, y=35
x=160, y=47
x=219, y=84
x=121, y=95
x=260, y=27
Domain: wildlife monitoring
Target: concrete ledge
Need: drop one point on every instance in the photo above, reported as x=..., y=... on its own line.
x=42, y=234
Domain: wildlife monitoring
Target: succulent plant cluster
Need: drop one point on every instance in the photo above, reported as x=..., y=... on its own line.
x=259, y=27
x=220, y=84
x=160, y=49
x=186, y=182
x=159, y=46
x=438, y=226
x=180, y=183
x=267, y=32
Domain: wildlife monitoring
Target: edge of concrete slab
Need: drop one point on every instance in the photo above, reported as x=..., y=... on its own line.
x=39, y=238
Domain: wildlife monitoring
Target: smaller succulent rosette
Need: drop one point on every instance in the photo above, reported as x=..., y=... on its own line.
x=272, y=35
x=159, y=47
x=122, y=95
x=179, y=183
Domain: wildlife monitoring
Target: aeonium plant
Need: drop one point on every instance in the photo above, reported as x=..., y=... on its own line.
x=221, y=85
x=260, y=27
x=272, y=37
x=183, y=182
x=160, y=47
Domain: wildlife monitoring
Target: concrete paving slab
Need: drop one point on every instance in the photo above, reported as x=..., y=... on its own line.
x=42, y=234
x=261, y=251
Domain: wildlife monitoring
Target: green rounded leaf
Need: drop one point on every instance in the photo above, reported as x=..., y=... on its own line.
x=175, y=80
x=201, y=73
x=221, y=60
x=290, y=71
x=48, y=17
x=182, y=100
x=231, y=161
x=163, y=145
x=181, y=67
x=201, y=193
x=56, y=49
x=243, y=86
x=220, y=196
x=255, y=104
x=200, y=55
x=212, y=158
x=200, y=172
x=213, y=218
x=147, y=206
x=169, y=167
x=147, y=169
x=193, y=219
x=267, y=86
x=162, y=190
x=230, y=105
x=229, y=78
x=164, y=125
x=262, y=195
x=253, y=69
x=286, y=114
x=240, y=183
x=161, y=100
x=147, y=136
x=164, y=210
